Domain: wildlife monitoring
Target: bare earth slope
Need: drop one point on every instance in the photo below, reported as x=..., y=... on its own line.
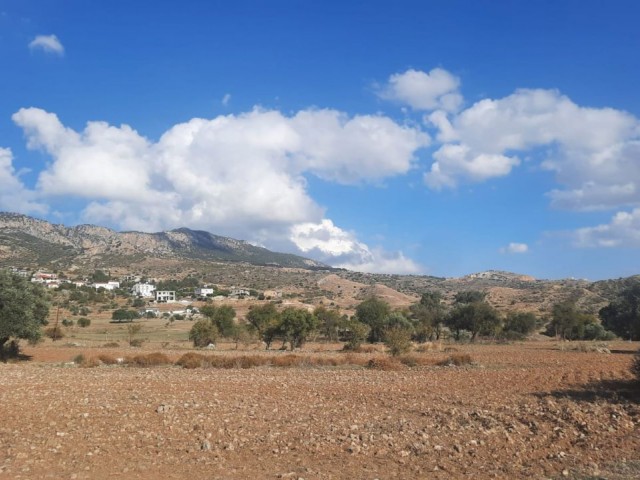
x=526, y=411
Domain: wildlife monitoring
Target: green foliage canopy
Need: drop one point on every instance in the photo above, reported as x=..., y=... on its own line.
x=23, y=308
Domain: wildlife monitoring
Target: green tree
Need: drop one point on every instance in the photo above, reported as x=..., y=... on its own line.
x=477, y=318
x=23, y=309
x=428, y=315
x=139, y=303
x=622, y=316
x=355, y=333
x=203, y=333
x=223, y=319
x=374, y=313
x=296, y=325
x=124, y=315
x=470, y=296
x=100, y=277
x=522, y=323
x=265, y=320
x=330, y=322
x=568, y=323
x=398, y=340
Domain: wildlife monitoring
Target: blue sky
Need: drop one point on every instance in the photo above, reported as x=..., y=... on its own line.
x=441, y=138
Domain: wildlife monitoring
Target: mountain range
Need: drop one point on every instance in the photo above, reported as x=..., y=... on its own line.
x=35, y=242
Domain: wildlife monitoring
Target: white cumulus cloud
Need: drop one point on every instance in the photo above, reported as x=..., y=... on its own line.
x=238, y=175
x=340, y=248
x=622, y=231
x=514, y=247
x=592, y=151
x=435, y=90
x=47, y=43
x=14, y=196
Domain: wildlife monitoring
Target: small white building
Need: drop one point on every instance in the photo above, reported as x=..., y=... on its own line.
x=237, y=292
x=165, y=296
x=203, y=292
x=143, y=290
x=20, y=272
x=107, y=286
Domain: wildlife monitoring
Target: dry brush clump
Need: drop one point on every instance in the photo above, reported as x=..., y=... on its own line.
x=190, y=360
x=148, y=360
x=107, y=359
x=197, y=360
x=385, y=363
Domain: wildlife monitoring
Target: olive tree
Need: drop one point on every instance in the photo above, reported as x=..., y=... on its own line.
x=296, y=325
x=374, y=313
x=23, y=309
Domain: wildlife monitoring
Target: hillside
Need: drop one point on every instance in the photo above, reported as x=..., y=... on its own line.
x=30, y=243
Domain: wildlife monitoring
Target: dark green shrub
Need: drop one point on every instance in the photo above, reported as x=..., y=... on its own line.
x=84, y=322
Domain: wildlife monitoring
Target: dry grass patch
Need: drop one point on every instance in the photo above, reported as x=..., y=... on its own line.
x=414, y=360
x=429, y=347
x=107, y=359
x=385, y=363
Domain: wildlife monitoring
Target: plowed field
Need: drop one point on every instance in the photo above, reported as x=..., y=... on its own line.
x=521, y=411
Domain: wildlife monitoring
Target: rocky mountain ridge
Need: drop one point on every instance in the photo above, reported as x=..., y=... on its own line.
x=41, y=242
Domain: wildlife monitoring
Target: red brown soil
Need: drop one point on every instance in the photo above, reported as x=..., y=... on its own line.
x=524, y=411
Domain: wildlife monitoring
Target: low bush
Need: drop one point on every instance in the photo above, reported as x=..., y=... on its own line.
x=111, y=345
x=78, y=359
x=84, y=322
x=54, y=333
x=190, y=360
x=150, y=360
x=136, y=342
x=90, y=362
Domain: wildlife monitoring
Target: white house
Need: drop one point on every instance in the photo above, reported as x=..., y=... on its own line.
x=143, y=290
x=107, y=286
x=203, y=292
x=165, y=296
x=236, y=292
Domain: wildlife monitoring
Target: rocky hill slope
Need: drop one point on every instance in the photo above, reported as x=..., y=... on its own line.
x=31, y=242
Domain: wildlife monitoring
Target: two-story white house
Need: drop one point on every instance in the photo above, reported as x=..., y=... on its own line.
x=143, y=290
x=204, y=292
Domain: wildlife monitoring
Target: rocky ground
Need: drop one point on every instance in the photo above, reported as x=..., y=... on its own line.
x=522, y=411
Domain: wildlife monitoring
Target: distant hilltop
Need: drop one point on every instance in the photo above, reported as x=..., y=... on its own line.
x=24, y=239
x=498, y=275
